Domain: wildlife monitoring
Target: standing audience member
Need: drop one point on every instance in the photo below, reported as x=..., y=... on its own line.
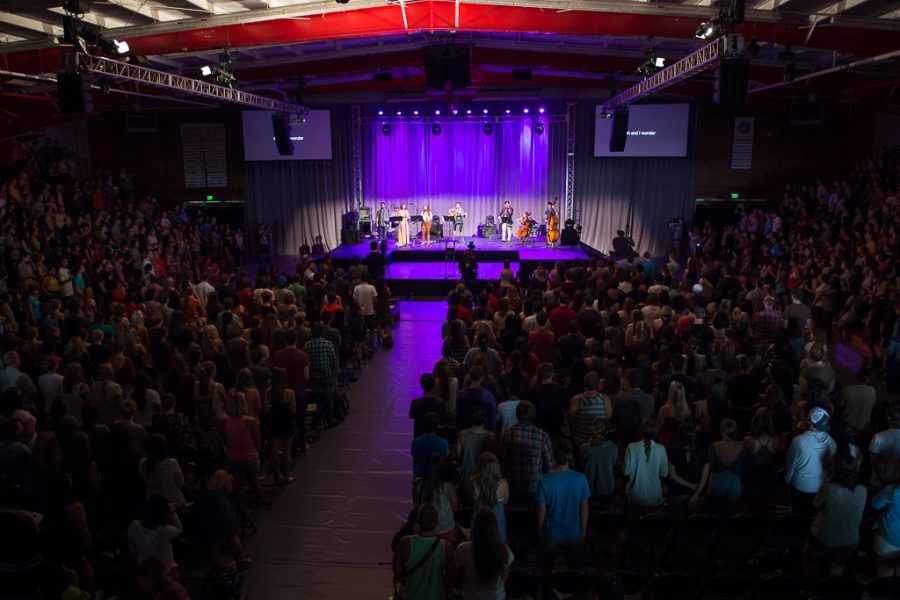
x=806, y=461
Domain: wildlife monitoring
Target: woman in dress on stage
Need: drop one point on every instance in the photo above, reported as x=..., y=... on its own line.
x=426, y=225
x=403, y=227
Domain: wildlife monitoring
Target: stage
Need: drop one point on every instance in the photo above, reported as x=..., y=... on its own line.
x=433, y=270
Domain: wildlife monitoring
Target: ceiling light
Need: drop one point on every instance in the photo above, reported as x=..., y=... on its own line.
x=484, y=111
x=121, y=46
x=415, y=112
x=541, y=110
x=454, y=111
x=469, y=111
x=399, y=112
x=206, y=70
x=380, y=112
x=507, y=111
x=525, y=110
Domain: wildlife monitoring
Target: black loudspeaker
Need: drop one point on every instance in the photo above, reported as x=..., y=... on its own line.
x=732, y=76
x=619, y=132
x=448, y=62
x=569, y=237
x=74, y=97
x=521, y=74
x=382, y=77
x=365, y=228
x=350, y=235
x=281, y=129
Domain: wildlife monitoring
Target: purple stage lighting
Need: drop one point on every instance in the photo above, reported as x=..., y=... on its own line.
x=380, y=112
x=399, y=112
x=437, y=112
x=415, y=112
x=507, y=111
x=541, y=110
x=485, y=111
x=525, y=111
x=469, y=112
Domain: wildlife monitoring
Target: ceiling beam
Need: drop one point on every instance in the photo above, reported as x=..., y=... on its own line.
x=30, y=24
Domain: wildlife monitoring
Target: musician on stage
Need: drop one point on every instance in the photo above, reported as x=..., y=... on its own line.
x=506, y=221
x=458, y=215
x=426, y=225
x=551, y=219
x=403, y=227
x=381, y=221
x=525, y=223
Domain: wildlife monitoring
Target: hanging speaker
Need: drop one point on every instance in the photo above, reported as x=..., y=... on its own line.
x=447, y=63
x=74, y=94
x=281, y=129
x=732, y=77
x=619, y=132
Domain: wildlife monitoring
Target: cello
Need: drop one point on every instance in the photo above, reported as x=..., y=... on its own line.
x=524, y=226
x=553, y=228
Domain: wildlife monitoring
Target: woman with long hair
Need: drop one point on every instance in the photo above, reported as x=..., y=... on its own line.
x=483, y=563
x=162, y=474
x=282, y=412
x=489, y=489
x=207, y=391
x=446, y=385
x=242, y=448
x=456, y=344
x=675, y=411
x=646, y=464
x=436, y=487
x=75, y=392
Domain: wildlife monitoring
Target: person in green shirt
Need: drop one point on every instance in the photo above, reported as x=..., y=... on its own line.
x=424, y=576
x=299, y=292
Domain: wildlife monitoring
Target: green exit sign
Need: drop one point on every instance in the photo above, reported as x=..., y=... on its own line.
x=211, y=198
x=733, y=196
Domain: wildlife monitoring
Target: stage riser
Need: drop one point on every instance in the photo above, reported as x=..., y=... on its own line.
x=437, y=256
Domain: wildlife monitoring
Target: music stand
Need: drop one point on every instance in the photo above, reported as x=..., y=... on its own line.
x=452, y=220
x=449, y=256
x=417, y=219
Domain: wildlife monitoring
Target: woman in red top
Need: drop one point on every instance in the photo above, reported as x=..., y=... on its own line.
x=241, y=448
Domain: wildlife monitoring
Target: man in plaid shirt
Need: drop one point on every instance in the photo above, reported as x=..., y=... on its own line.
x=323, y=367
x=526, y=454
x=766, y=323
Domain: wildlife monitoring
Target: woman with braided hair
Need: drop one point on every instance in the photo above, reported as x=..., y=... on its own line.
x=646, y=464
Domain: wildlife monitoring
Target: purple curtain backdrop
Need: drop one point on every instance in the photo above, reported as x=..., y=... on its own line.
x=463, y=163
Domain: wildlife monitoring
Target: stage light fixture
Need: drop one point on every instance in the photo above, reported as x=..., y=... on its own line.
x=525, y=110
x=416, y=113
x=206, y=70
x=399, y=113
x=539, y=127
x=121, y=46
x=469, y=111
x=454, y=111
x=437, y=112
x=386, y=129
x=488, y=128
x=541, y=110
x=508, y=111
x=436, y=129
x=659, y=62
x=485, y=111
x=380, y=113
x=705, y=30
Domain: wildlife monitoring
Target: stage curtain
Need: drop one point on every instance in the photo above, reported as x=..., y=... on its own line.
x=639, y=195
x=464, y=164
x=302, y=199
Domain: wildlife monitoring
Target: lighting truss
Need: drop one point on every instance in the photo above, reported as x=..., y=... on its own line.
x=177, y=83
x=569, y=190
x=705, y=58
x=473, y=118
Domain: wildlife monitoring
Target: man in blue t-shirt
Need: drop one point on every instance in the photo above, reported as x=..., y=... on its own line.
x=475, y=396
x=427, y=444
x=562, y=513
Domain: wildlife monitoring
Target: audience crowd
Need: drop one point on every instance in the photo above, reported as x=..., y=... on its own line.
x=633, y=404
x=148, y=389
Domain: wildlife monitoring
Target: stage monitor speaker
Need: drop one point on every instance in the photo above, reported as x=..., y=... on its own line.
x=350, y=235
x=447, y=63
x=281, y=129
x=365, y=228
x=732, y=77
x=618, y=135
x=74, y=94
x=569, y=237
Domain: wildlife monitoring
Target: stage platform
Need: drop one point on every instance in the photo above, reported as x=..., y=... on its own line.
x=432, y=270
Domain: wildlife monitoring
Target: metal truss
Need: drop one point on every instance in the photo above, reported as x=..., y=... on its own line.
x=727, y=46
x=569, y=211
x=494, y=119
x=106, y=67
x=356, y=133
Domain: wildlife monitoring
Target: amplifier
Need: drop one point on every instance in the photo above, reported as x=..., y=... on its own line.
x=485, y=231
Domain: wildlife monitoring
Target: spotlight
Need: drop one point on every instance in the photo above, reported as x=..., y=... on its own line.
x=436, y=129
x=488, y=128
x=539, y=127
x=386, y=129
x=659, y=62
x=469, y=111
x=206, y=70
x=437, y=112
x=507, y=111
x=399, y=112
x=541, y=110
x=380, y=113
x=705, y=30
x=121, y=46
x=415, y=112
x=484, y=111
x=455, y=111
x=525, y=110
